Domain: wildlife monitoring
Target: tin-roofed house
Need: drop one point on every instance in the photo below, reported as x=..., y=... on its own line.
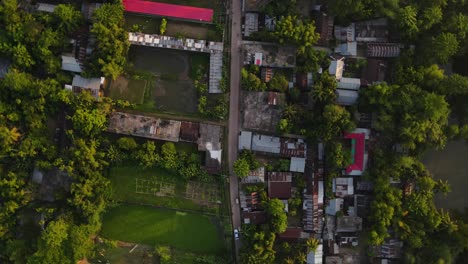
x=91, y=85
x=279, y=185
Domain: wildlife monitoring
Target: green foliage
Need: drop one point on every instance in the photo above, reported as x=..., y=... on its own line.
x=337, y=158
x=67, y=18
x=202, y=101
x=89, y=122
x=291, y=29
x=241, y=167
x=164, y=253
x=249, y=156
x=284, y=126
x=425, y=115
x=323, y=91
x=251, y=82
x=127, y=143
x=109, y=57
x=442, y=47
x=169, y=156
x=279, y=83
x=163, y=26
x=277, y=216
x=147, y=155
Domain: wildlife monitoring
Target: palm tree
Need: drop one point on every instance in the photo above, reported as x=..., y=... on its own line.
x=301, y=257
x=312, y=244
x=289, y=260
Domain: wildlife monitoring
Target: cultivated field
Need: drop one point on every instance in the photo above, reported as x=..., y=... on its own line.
x=151, y=226
x=450, y=164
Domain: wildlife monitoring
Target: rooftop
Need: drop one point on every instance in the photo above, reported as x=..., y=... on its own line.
x=279, y=185
x=69, y=63
x=255, y=176
x=297, y=164
x=87, y=83
x=210, y=137
x=272, y=55
x=346, y=97
x=266, y=144
x=258, y=114
x=383, y=50
x=144, y=126
x=291, y=147
x=348, y=224
x=189, y=131
x=255, y=217
x=251, y=23
x=358, y=152
x=293, y=234
x=169, y=10
x=336, y=68
x=245, y=140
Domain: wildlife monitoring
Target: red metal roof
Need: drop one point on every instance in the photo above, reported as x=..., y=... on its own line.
x=168, y=10
x=359, y=151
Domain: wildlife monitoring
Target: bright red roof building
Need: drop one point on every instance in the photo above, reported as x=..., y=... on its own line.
x=169, y=10
x=358, y=151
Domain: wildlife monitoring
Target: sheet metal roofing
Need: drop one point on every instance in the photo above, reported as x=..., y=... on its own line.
x=169, y=10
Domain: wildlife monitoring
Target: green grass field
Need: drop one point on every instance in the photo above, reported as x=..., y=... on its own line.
x=150, y=226
x=124, y=187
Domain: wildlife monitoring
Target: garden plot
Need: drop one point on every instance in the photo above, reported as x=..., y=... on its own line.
x=207, y=194
x=154, y=187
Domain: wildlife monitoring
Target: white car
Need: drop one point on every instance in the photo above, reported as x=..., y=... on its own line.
x=236, y=234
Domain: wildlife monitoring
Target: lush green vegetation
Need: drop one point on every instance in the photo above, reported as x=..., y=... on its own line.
x=152, y=226
x=123, y=181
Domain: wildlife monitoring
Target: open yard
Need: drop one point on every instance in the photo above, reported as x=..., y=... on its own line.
x=150, y=25
x=450, y=164
x=160, y=187
x=150, y=226
x=127, y=89
x=173, y=91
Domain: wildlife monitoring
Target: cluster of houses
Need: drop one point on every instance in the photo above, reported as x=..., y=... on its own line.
x=336, y=222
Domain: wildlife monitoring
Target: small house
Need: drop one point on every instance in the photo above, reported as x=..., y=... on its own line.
x=279, y=185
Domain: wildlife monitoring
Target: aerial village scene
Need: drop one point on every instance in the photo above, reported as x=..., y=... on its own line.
x=233, y=131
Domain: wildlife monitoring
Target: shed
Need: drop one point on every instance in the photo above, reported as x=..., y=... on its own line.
x=346, y=97
x=69, y=63
x=347, y=49
x=245, y=140
x=297, y=164
x=251, y=23
x=87, y=83
x=383, y=50
x=46, y=7
x=349, y=83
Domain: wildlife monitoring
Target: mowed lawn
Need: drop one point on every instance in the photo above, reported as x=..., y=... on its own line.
x=151, y=226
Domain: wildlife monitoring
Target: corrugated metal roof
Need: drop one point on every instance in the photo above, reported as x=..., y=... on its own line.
x=297, y=164
x=349, y=83
x=265, y=143
x=245, y=140
x=336, y=68
x=70, y=64
x=46, y=7
x=346, y=97
x=91, y=83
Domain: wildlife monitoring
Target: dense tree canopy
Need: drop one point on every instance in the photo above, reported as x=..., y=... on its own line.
x=109, y=57
x=407, y=114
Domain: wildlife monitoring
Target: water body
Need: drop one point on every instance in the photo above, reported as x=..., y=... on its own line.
x=450, y=164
